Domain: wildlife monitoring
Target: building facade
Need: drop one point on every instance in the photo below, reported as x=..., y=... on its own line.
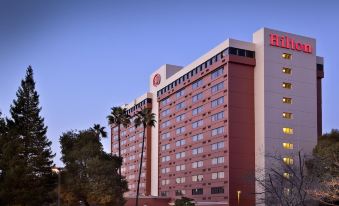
x=219, y=118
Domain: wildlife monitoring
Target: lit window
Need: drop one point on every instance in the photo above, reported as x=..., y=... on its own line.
x=287, y=175
x=287, y=100
x=197, y=178
x=180, y=180
x=180, y=168
x=286, y=56
x=287, y=70
x=286, y=85
x=218, y=175
x=287, y=115
x=287, y=145
x=217, y=160
x=287, y=130
x=288, y=160
x=287, y=191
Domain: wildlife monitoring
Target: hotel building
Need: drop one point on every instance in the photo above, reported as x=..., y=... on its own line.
x=220, y=116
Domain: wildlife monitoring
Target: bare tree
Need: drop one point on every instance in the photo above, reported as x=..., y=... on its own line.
x=286, y=182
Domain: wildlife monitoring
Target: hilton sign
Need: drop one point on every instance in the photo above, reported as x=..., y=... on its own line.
x=289, y=43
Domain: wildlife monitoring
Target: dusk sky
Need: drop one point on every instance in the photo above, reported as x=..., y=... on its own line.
x=91, y=55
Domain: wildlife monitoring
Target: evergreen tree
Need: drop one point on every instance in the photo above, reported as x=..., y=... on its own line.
x=27, y=176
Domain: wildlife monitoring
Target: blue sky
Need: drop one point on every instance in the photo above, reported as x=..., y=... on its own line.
x=91, y=55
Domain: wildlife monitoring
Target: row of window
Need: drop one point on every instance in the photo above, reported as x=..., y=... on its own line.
x=195, y=98
x=195, y=178
x=195, y=151
x=226, y=52
x=198, y=191
x=195, y=138
x=195, y=111
x=139, y=105
x=197, y=164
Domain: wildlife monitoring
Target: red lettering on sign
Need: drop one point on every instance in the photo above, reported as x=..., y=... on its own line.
x=289, y=43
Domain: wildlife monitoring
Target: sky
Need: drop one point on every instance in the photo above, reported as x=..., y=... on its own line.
x=89, y=56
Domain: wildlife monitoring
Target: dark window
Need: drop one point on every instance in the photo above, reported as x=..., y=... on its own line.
x=225, y=52
x=217, y=190
x=149, y=100
x=198, y=191
x=241, y=52
x=250, y=54
x=233, y=51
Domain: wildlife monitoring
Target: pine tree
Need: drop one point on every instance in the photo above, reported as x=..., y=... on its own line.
x=28, y=178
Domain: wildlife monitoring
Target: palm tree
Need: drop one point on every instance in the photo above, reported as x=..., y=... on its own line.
x=119, y=117
x=99, y=131
x=145, y=118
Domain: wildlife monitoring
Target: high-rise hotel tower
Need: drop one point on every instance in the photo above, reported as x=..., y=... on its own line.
x=220, y=116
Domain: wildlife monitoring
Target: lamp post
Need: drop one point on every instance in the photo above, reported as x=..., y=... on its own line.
x=238, y=195
x=57, y=171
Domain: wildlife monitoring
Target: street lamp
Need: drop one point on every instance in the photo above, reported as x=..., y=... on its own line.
x=238, y=194
x=57, y=171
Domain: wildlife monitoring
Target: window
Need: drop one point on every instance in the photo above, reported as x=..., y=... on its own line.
x=197, y=137
x=180, y=117
x=180, y=192
x=217, y=131
x=197, y=97
x=287, y=145
x=217, y=160
x=286, y=56
x=165, y=182
x=287, y=70
x=180, y=105
x=218, y=175
x=198, y=123
x=180, y=155
x=131, y=138
x=180, y=143
x=180, y=130
x=287, y=175
x=165, y=147
x=197, y=150
x=180, y=180
x=217, y=87
x=197, y=178
x=131, y=167
x=198, y=191
x=287, y=130
x=115, y=129
x=197, y=164
x=217, y=190
x=287, y=115
x=180, y=168
x=286, y=85
x=217, y=73
x=197, y=110
x=165, y=170
x=180, y=93
x=217, y=116
x=123, y=142
x=165, y=158
x=132, y=148
x=165, y=101
x=131, y=129
x=166, y=124
x=217, y=145
x=197, y=84
x=287, y=100
x=288, y=160
x=165, y=112
x=164, y=193
x=123, y=133
x=165, y=135
x=217, y=102
x=141, y=134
